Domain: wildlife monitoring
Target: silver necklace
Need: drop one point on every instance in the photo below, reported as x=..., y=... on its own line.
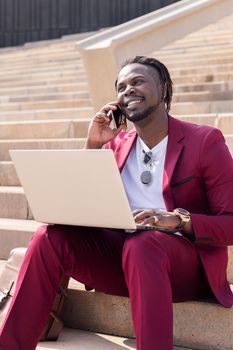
x=147, y=175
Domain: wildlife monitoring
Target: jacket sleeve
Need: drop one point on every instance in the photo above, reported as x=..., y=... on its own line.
x=216, y=167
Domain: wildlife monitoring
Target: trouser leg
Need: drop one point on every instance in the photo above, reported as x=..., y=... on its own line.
x=159, y=269
x=89, y=255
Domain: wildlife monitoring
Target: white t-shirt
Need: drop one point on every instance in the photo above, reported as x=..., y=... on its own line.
x=145, y=195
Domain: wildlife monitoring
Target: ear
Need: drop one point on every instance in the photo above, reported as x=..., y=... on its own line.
x=164, y=91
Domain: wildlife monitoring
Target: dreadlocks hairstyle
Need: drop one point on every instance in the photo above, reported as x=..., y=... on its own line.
x=164, y=75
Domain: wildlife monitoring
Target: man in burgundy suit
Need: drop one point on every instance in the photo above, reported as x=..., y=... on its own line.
x=177, y=175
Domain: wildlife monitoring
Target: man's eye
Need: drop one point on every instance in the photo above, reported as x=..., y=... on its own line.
x=120, y=89
x=138, y=81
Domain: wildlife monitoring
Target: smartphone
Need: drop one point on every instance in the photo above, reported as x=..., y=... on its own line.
x=118, y=118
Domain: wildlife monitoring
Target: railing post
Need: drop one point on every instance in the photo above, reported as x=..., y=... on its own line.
x=103, y=53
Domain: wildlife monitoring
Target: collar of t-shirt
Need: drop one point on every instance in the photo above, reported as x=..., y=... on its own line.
x=145, y=195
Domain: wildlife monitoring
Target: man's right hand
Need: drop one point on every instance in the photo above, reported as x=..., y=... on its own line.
x=99, y=131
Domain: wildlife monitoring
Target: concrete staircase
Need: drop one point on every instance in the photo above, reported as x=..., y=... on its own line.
x=44, y=103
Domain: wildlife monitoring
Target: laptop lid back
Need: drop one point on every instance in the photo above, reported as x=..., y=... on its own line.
x=74, y=187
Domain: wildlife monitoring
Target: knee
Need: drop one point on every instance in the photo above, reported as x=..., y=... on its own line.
x=39, y=236
x=46, y=235
x=49, y=244
x=144, y=249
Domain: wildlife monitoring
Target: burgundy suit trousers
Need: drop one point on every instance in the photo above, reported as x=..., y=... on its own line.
x=150, y=267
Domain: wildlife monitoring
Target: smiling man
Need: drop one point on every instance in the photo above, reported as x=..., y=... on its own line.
x=177, y=175
x=149, y=95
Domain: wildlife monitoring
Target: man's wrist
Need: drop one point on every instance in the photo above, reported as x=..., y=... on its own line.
x=185, y=225
x=183, y=215
x=92, y=145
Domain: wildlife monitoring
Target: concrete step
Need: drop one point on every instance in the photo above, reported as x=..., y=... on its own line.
x=6, y=145
x=36, y=47
x=200, y=96
x=70, y=95
x=203, y=119
x=80, y=75
x=42, y=47
x=13, y=203
x=69, y=103
x=15, y=233
x=209, y=36
x=39, y=50
x=36, y=57
x=71, y=339
x=38, y=73
x=202, y=78
x=215, y=32
x=46, y=89
x=218, y=49
x=197, y=324
x=198, y=61
x=192, y=55
x=202, y=69
x=43, y=81
x=194, y=45
x=225, y=123
x=189, y=47
x=40, y=64
x=70, y=128
x=2, y=264
x=8, y=176
x=46, y=67
x=202, y=107
x=216, y=86
x=222, y=121
x=229, y=142
x=47, y=114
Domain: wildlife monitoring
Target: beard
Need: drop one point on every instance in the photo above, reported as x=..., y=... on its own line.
x=138, y=116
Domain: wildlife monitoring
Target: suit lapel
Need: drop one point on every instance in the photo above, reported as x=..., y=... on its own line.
x=174, y=149
x=122, y=153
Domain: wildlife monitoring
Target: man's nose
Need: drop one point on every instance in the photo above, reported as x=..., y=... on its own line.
x=129, y=90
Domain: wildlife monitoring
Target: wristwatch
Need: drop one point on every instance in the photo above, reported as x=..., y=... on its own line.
x=184, y=216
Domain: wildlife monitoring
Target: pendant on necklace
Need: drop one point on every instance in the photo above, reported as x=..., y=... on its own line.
x=146, y=177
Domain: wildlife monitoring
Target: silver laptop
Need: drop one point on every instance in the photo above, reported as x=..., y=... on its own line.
x=75, y=187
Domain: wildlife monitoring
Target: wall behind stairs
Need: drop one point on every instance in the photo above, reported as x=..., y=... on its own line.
x=32, y=20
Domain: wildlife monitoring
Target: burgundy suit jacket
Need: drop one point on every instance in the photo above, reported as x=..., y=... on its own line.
x=198, y=176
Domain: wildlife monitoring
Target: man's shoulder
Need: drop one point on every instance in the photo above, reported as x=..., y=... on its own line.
x=191, y=128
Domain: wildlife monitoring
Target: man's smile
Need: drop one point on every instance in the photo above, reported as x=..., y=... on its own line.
x=130, y=103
